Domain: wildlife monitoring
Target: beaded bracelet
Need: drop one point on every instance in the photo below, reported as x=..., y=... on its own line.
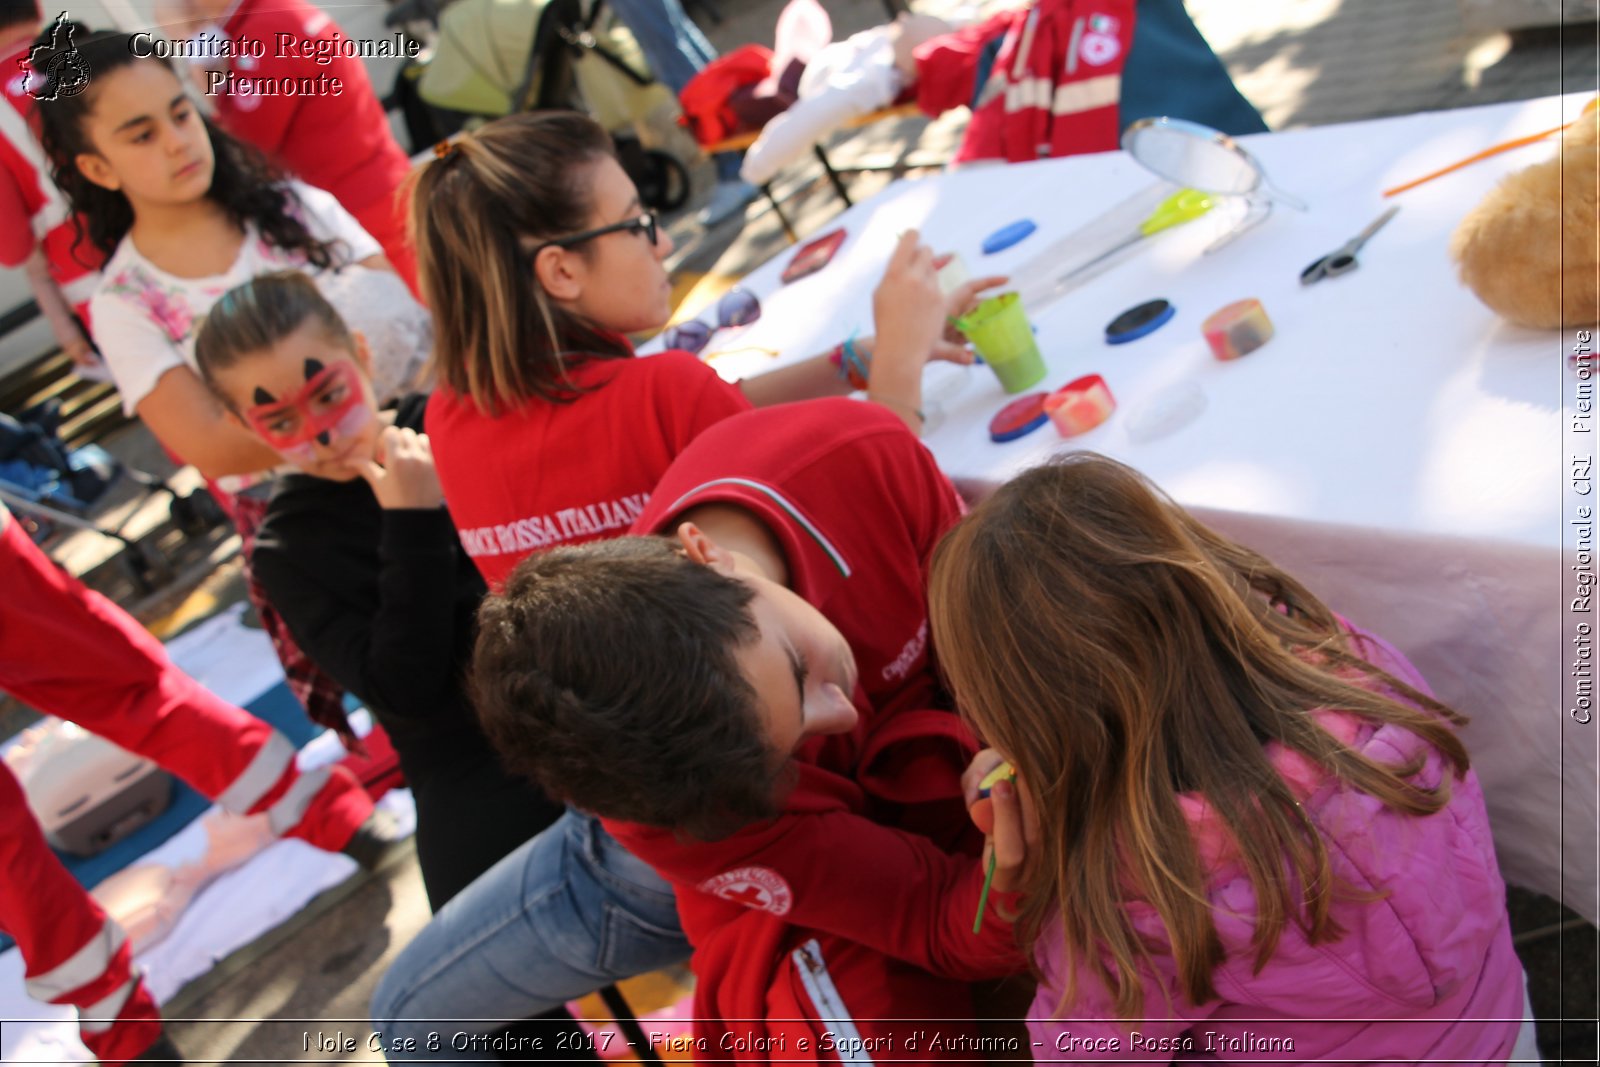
x=853, y=365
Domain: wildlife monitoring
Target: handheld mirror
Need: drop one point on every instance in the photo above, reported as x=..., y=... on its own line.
x=1199, y=157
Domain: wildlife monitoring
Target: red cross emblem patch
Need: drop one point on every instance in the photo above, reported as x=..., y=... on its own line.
x=760, y=888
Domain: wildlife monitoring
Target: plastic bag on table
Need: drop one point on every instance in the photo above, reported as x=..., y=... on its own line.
x=1103, y=243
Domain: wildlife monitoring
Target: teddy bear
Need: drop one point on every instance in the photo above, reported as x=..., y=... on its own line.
x=1531, y=249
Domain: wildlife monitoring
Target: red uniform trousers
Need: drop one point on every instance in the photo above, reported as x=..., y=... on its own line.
x=75, y=954
x=68, y=651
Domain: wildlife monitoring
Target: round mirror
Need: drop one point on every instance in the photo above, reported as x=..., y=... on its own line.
x=1193, y=155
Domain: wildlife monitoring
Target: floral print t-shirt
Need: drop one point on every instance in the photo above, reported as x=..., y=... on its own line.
x=145, y=319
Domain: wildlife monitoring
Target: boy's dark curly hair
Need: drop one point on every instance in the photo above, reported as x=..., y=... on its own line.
x=607, y=673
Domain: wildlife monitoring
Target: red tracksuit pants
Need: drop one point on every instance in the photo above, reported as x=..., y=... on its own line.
x=75, y=954
x=70, y=652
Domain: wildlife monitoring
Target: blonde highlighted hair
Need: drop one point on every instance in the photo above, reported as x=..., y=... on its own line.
x=1121, y=653
x=477, y=211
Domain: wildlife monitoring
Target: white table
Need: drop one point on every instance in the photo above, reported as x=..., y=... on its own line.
x=1396, y=446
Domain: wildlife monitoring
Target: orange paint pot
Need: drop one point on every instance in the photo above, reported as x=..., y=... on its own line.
x=1080, y=405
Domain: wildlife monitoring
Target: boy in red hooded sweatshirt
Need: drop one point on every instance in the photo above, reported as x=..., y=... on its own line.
x=750, y=705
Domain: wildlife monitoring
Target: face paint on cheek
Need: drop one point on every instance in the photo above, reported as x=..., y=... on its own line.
x=355, y=419
x=294, y=427
x=300, y=455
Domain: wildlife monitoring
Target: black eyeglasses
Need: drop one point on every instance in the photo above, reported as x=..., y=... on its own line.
x=645, y=224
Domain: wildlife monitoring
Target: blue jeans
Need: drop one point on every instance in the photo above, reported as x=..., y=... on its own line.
x=565, y=914
x=676, y=50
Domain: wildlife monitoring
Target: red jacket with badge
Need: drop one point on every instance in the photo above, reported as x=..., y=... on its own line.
x=1054, y=86
x=847, y=906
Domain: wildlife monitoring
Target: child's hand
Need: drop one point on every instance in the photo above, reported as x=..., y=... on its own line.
x=78, y=349
x=950, y=349
x=1000, y=817
x=912, y=313
x=962, y=299
x=1009, y=841
x=971, y=779
x=407, y=478
x=908, y=307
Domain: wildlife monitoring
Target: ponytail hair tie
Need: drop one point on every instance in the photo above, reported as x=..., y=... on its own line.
x=444, y=149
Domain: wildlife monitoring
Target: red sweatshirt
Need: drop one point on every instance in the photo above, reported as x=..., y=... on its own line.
x=338, y=141
x=33, y=212
x=1054, y=87
x=549, y=474
x=857, y=504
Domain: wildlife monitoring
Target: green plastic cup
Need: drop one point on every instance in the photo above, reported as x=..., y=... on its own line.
x=999, y=329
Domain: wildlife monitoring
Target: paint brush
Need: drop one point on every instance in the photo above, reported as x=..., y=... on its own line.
x=1002, y=772
x=983, y=901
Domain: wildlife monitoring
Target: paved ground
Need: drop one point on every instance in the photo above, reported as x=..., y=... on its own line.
x=1302, y=62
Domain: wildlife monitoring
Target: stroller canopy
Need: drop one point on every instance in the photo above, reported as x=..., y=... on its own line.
x=487, y=59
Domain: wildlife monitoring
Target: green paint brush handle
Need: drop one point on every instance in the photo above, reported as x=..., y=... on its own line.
x=1185, y=205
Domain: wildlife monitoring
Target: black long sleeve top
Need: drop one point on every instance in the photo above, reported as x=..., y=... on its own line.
x=385, y=602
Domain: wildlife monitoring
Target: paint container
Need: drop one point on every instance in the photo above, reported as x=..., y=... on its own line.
x=1238, y=329
x=1080, y=405
x=1018, y=419
x=1000, y=331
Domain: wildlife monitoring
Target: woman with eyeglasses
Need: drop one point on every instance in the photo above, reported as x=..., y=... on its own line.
x=538, y=261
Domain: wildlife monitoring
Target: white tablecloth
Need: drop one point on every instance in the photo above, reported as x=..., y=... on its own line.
x=1396, y=446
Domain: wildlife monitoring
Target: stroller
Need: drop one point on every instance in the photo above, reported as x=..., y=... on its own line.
x=48, y=485
x=52, y=478
x=487, y=58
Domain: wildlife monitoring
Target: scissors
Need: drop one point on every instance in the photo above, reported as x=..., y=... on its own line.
x=1342, y=260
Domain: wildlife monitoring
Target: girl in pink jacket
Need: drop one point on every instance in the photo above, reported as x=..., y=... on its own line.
x=1242, y=830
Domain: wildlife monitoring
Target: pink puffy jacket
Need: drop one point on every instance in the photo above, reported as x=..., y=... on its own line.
x=1424, y=973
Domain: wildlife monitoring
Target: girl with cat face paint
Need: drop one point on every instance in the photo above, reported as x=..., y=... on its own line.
x=183, y=212
x=359, y=555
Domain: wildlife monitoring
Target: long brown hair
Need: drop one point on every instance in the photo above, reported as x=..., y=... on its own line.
x=476, y=212
x=1120, y=653
x=243, y=183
